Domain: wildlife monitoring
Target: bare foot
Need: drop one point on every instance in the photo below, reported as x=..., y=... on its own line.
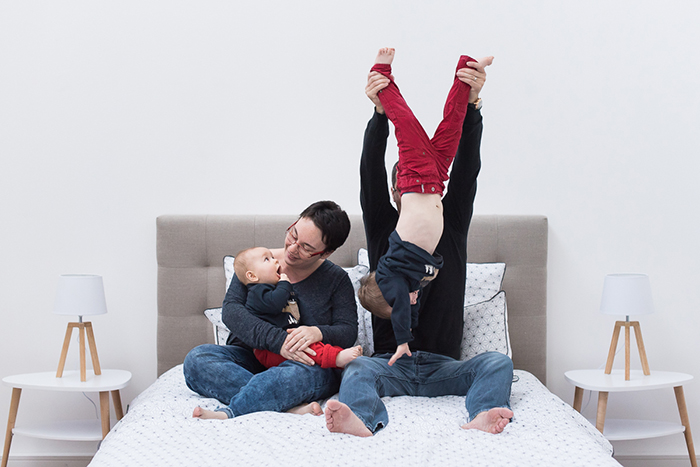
x=385, y=56
x=485, y=61
x=492, y=421
x=340, y=419
x=205, y=414
x=347, y=355
x=312, y=408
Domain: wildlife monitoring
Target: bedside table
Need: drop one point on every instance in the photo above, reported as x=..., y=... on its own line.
x=615, y=430
x=79, y=430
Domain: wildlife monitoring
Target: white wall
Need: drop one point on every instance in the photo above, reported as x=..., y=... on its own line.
x=112, y=113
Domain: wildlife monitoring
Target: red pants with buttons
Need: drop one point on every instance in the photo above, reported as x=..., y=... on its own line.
x=326, y=355
x=424, y=162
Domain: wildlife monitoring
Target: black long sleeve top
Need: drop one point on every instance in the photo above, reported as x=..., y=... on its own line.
x=442, y=300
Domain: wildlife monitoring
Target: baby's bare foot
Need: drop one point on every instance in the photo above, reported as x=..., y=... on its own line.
x=385, y=56
x=492, y=421
x=205, y=414
x=347, y=355
x=313, y=408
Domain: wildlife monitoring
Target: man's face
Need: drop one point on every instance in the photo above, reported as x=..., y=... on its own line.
x=264, y=266
x=303, y=243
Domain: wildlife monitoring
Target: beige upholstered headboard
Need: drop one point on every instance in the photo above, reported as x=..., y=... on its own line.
x=190, y=252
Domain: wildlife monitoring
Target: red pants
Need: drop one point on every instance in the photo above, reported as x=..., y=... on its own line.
x=326, y=355
x=424, y=162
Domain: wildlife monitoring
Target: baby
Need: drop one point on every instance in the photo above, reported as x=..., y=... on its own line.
x=394, y=288
x=270, y=297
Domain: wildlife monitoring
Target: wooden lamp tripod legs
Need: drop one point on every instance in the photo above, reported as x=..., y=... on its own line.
x=640, y=345
x=83, y=328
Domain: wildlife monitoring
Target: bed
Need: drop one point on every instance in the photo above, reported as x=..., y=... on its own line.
x=159, y=430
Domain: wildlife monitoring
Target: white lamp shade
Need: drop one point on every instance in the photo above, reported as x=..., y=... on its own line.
x=626, y=294
x=80, y=295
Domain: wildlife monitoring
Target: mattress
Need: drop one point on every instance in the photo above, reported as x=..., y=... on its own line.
x=158, y=430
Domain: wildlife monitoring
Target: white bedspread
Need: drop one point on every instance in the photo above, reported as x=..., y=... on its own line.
x=159, y=431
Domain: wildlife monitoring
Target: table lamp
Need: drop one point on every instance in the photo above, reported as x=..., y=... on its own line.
x=81, y=295
x=627, y=294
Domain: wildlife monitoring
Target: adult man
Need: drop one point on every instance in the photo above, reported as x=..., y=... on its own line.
x=326, y=302
x=433, y=369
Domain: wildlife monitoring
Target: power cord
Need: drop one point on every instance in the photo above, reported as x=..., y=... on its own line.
x=97, y=414
x=588, y=399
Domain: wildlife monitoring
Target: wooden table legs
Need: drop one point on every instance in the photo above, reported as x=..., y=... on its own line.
x=104, y=417
x=104, y=409
x=14, y=405
x=117, y=401
x=602, y=406
x=682, y=409
x=578, y=399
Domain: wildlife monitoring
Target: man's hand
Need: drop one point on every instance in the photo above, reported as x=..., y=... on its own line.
x=475, y=76
x=375, y=83
x=400, y=350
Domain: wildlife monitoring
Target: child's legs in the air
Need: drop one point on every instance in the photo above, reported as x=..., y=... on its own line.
x=416, y=171
x=412, y=134
x=446, y=139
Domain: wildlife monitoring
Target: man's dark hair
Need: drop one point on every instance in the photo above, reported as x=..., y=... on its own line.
x=331, y=220
x=393, y=174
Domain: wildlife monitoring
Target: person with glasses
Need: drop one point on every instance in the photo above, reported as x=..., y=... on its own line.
x=434, y=368
x=326, y=302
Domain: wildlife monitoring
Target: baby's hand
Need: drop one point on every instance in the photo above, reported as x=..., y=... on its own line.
x=283, y=277
x=400, y=350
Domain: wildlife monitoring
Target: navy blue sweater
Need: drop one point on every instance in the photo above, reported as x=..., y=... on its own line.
x=401, y=271
x=268, y=300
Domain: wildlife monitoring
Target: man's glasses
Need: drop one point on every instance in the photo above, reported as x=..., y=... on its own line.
x=304, y=249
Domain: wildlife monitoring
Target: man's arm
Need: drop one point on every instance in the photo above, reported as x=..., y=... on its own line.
x=458, y=201
x=461, y=191
x=251, y=330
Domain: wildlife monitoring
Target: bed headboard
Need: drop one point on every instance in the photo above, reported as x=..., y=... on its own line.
x=190, y=251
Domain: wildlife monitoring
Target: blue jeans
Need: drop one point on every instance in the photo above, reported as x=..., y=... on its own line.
x=485, y=380
x=232, y=375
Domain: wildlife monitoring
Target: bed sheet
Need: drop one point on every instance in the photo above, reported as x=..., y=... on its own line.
x=159, y=430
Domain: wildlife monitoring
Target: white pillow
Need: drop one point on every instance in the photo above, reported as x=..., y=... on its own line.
x=364, y=317
x=363, y=257
x=221, y=332
x=483, y=303
x=228, y=270
x=483, y=281
x=486, y=328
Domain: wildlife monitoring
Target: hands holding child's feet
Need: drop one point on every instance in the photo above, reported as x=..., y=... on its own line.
x=474, y=74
